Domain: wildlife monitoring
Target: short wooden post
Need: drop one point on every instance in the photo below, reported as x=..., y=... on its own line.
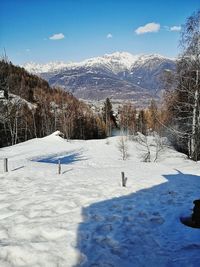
x=5, y=164
x=124, y=180
x=59, y=167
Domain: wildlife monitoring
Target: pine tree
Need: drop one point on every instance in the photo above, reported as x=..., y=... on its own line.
x=141, y=122
x=108, y=116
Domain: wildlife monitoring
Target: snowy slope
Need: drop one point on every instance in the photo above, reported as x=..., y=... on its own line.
x=84, y=217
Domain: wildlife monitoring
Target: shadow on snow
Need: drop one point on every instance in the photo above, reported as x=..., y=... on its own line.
x=143, y=228
x=65, y=158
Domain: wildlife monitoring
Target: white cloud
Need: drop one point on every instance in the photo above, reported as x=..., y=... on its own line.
x=149, y=27
x=109, y=35
x=175, y=28
x=57, y=36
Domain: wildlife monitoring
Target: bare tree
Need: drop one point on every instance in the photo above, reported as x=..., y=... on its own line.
x=123, y=147
x=128, y=119
x=184, y=98
x=143, y=141
x=158, y=145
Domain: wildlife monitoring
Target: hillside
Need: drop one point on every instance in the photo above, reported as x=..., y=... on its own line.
x=30, y=108
x=84, y=217
x=120, y=75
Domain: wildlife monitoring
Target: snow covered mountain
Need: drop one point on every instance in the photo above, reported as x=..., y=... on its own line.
x=116, y=62
x=40, y=68
x=120, y=75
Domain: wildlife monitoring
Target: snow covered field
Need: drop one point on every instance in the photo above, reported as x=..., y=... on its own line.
x=84, y=217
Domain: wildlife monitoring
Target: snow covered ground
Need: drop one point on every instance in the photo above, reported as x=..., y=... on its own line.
x=84, y=217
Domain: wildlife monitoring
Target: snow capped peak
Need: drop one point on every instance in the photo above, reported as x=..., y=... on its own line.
x=47, y=67
x=115, y=62
x=125, y=59
x=121, y=56
x=151, y=56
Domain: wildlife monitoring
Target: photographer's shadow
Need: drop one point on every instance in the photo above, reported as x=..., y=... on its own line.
x=143, y=228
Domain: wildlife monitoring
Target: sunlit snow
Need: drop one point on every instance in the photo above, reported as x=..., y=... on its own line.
x=84, y=217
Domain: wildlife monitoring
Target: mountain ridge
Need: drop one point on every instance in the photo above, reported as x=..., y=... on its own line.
x=125, y=58
x=120, y=75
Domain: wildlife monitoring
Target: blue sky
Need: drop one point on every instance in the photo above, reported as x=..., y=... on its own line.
x=72, y=30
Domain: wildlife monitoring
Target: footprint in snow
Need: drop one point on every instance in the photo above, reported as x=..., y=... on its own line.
x=157, y=220
x=105, y=228
x=114, y=218
x=142, y=214
x=97, y=218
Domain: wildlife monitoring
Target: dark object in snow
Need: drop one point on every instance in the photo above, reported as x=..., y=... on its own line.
x=196, y=212
x=59, y=167
x=194, y=220
x=124, y=179
x=5, y=165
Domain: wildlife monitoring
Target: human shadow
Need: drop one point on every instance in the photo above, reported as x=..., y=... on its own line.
x=143, y=228
x=64, y=158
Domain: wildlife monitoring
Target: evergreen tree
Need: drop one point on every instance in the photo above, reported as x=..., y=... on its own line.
x=108, y=116
x=141, y=122
x=4, y=86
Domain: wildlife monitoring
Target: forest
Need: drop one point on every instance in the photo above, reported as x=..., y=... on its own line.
x=30, y=108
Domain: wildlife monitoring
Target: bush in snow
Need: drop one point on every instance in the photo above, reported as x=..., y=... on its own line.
x=151, y=146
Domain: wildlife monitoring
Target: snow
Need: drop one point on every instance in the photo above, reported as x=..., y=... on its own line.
x=42, y=68
x=2, y=94
x=115, y=62
x=18, y=101
x=84, y=217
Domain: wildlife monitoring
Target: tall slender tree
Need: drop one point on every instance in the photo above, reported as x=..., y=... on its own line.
x=108, y=116
x=186, y=104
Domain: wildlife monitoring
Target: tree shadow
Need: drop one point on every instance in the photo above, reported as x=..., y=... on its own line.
x=69, y=170
x=64, y=158
x=143, y=228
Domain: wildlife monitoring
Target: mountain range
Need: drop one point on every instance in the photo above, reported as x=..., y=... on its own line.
x=119, y=75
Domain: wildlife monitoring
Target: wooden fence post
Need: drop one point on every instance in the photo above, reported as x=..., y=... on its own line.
x=5, y=164
x=124, y=179
x=59, y=167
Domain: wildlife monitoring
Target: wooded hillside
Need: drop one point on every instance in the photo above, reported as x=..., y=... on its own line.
x=31, y=108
